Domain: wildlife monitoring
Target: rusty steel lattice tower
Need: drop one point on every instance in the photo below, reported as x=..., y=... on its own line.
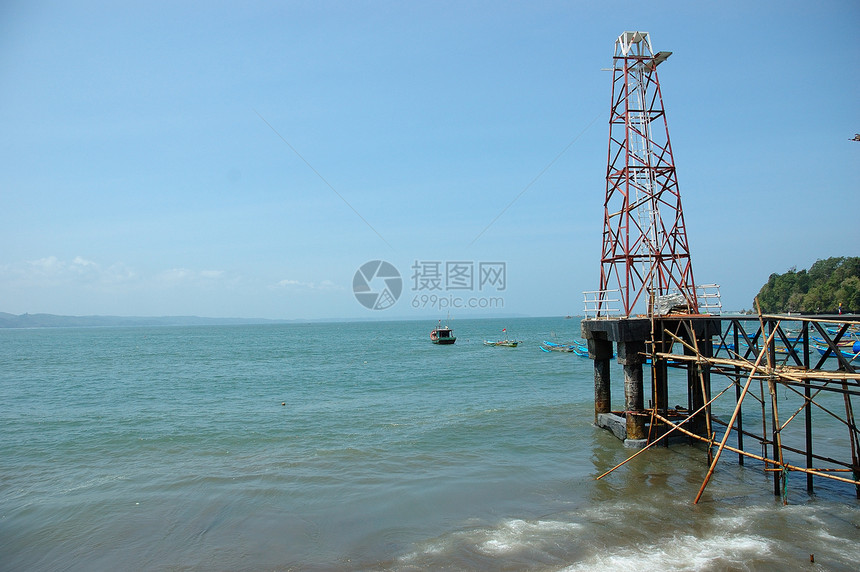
x=645, y=256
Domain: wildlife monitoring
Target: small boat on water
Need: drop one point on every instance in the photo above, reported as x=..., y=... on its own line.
x=575, y=348
x=845, y=343
x=502, y=343
x=851, y=352
x=506, y=343
x=442, y=334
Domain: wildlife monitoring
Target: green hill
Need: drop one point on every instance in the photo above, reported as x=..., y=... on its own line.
x=820, y=290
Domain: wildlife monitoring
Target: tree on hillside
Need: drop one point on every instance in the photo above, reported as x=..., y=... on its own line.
x=828, y=283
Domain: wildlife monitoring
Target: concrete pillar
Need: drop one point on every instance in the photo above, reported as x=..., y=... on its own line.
x=633, y=401
x=630, y=355
x=601, y=352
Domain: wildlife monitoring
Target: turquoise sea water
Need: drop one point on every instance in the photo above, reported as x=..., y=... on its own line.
x=362, y=446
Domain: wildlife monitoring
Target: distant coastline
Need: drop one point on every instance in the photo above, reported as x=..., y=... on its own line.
x=56, y=321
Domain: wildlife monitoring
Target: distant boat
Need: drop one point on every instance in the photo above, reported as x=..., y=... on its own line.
x=851, y=352
x=442, y=334
x=502, y=343
x=553, y=347
x=847, y=342
x=575, y=348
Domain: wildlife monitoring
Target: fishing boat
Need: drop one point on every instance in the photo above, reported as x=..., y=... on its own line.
x=553, y=347
x=502, y=343
x=845, y=343
x=851, y=352
x=574, y=348
x=442, y=334
x=506, y=343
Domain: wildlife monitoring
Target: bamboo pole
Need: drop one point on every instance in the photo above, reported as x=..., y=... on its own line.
x=841, y=319
x=777, y=432
x=732, y=421
x=776, y=437
x=792, y=374
x=816, y=472
x=666, y=434
x=799, y=410
x=852, y=434
x=709, y=427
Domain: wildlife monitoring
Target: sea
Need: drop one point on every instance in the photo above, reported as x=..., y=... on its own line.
x=363, y=446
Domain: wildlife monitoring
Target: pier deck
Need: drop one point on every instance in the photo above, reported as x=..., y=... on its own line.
x=795, y=363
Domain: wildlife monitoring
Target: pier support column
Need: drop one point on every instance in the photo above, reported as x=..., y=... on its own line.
x=600, y=351
x=631, y=356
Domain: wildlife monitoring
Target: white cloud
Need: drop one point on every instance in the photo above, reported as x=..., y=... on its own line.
x=83, y=262
x=212, y=274
x=51, y=271
x=186, y=275
x=45, y=266
x=294, y=283
x=299, y=285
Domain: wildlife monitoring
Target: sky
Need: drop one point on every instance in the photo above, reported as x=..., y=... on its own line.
x=246, y=159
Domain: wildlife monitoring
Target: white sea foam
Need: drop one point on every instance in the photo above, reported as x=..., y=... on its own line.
x=684, y=552
x=509, y=537
x=516, y=534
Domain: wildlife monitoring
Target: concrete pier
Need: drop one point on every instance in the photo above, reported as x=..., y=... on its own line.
x=687, y=345
x=600, y=352
x=632, y=337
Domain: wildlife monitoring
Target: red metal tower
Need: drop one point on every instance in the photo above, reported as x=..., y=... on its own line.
x=646, y=257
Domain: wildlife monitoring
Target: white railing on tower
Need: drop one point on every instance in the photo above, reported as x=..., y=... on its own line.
x=602, y=303
x=709, y=299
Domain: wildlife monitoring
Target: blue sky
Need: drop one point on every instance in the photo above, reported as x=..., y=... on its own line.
x=244, y=160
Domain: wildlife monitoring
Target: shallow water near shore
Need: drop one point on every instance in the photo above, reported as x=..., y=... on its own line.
x=363, y=446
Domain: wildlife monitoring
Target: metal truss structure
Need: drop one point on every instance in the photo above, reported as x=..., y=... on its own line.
x=645, y=254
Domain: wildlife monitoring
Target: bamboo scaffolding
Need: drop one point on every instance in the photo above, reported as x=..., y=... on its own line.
x=664, y=435
x=816, y=472
x=791, y=373
x=732, y=421
x=759, y=357
x=840, y=319
x=846, y=383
